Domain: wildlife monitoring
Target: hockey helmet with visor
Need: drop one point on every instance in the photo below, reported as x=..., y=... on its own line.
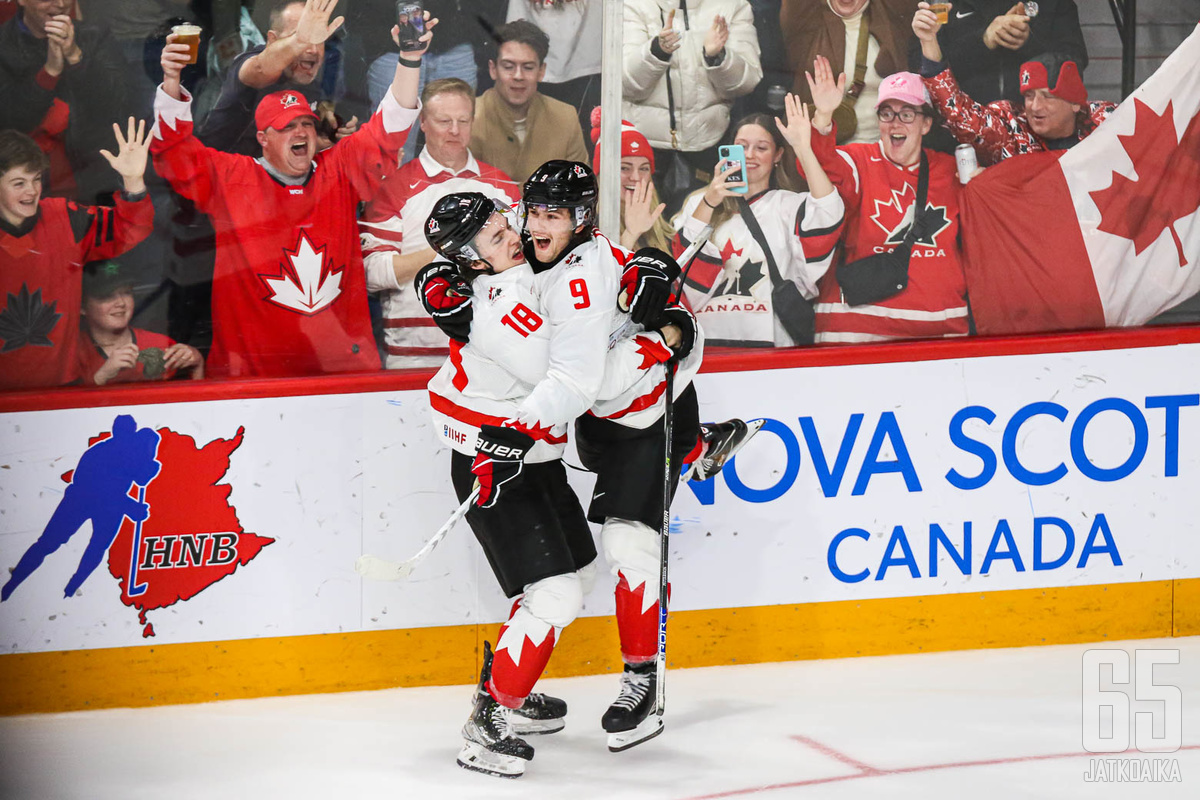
x=455, y=223
x=562, y=184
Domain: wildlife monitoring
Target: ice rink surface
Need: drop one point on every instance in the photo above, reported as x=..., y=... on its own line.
x=985, y=724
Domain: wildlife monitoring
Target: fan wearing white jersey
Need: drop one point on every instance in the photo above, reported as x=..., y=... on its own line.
x=533, y=531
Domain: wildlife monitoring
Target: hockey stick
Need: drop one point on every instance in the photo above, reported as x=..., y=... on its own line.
x=375, y=568
x=660, y=659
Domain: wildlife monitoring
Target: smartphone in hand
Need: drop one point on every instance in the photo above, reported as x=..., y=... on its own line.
x=734, y=153
x=410, y=17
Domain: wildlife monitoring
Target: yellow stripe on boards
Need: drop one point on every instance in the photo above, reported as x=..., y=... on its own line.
x=191, y=673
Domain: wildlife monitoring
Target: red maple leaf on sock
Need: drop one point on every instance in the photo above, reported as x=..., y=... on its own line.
x=1167, y=186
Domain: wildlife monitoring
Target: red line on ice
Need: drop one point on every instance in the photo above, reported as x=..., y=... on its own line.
x=867, y=771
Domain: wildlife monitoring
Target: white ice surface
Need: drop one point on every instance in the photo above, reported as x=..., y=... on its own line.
x=885, y=727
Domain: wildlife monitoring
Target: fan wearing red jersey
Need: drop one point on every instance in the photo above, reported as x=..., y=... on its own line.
x=289, y=296
x=878, y=183
x=44, y=244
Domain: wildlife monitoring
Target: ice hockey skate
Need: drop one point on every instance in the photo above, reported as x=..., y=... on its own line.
x=631, y=720
x=490, y=744
x=722, y=440
x=541, y=713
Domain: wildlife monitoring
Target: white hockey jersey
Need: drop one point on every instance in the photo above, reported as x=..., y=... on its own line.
x=545, y=347
x=729, y=285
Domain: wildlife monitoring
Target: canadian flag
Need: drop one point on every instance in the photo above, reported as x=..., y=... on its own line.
x=1106, y=234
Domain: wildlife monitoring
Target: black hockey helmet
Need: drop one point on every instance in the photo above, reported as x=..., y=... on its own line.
x=454, y=223
x=563, y=184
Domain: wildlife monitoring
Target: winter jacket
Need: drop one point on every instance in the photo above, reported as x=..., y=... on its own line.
x=702, y=93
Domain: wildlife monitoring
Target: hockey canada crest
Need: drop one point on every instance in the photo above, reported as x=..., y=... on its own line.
x=288, y=100
x=306, y=283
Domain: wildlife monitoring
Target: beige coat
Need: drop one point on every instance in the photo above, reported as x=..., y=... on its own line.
x=551, y=131
x=703, y=95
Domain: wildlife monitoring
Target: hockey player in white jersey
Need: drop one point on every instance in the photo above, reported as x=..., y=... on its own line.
x=501, y=402
x=621, y=437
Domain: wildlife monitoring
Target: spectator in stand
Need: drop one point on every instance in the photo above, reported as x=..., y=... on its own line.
x=393, y=224
x=732, y=287
x=685, y=63
x=986, y=41
x=44, y=243
x=289, y=297
x=453, y=55
x=879, y=184
x=62, y=82
x=834, y=29
x=575, y=29
x=110, y=350
x=642, y=223
x=517, y=128
x=1054, y=113
x=291, y=60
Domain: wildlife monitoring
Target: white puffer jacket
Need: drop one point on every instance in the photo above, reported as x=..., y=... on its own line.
x=702, y=94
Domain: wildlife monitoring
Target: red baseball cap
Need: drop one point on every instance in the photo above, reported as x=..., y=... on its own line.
x=276, y=110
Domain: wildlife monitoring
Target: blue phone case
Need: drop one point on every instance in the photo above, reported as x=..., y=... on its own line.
x=735, y=152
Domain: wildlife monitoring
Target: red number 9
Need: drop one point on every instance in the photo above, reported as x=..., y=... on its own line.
x=579, y=290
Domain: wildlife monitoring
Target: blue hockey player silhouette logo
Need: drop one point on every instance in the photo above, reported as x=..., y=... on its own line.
x=99, y=492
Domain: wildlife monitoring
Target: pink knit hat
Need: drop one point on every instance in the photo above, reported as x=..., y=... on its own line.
x=907, y=87
x=633, y=143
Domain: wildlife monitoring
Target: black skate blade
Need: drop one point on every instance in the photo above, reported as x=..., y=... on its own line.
x=650, y=727
x=478, y=758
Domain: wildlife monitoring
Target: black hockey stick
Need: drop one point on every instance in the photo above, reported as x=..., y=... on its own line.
x=660, y=658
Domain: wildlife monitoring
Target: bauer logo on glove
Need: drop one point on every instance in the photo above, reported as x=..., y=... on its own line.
x=499, y=458
x=646, y=285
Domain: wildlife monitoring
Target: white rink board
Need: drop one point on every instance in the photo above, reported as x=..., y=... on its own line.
x=331, y=477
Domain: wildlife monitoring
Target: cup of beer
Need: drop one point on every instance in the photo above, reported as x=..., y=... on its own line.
x=190, y=35
x=942, y=10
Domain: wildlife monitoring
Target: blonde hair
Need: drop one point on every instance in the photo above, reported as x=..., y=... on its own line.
x=783, y=175
x=448, y=86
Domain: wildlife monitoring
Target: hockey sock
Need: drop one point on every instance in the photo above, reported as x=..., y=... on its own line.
x=522, y=651
x=696, y=452
x=637, y=618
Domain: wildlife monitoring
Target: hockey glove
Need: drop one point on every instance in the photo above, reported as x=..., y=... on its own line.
x=646, y=285
x=499, y=457
x=681, y=318
x=447, y=297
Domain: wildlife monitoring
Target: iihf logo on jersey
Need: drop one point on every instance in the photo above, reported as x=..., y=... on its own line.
x=155, y=507
x=305, y=282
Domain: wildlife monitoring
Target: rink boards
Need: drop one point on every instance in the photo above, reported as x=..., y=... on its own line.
x=1011, y=492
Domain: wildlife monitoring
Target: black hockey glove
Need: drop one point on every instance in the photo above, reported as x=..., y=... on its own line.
x=646, y=285
x=499, y=457
x=681, y=318
x=447, y=297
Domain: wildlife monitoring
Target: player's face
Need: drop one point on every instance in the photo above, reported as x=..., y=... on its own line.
x=499, y=244
x=1049, y=117
x=303, y=70
x=761, y=154
x=446, y=120
x=112, y=313
x=36, y=12
x=550, y=230
x=902, y=140
x=292, y=149
x=20, y=192
x=635, y=169
x=516, y=72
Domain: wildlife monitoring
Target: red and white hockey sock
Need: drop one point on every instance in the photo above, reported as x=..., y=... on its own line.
x=522, y=651
x=637, y=617
x=696, y=451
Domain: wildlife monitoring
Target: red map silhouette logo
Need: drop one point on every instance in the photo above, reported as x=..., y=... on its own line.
x=157, y=509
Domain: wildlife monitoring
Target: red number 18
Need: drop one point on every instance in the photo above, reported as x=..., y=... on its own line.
x=522, y=320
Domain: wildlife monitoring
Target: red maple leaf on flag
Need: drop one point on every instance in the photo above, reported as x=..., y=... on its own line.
x=1167, y=187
